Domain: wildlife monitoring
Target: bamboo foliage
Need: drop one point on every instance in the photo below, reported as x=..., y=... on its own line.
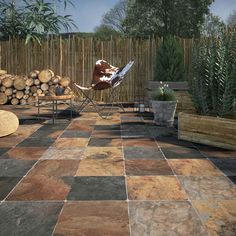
x=75, y=57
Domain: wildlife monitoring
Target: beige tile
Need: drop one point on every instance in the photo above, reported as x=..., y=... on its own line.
x=194, y=167
x=155, y=188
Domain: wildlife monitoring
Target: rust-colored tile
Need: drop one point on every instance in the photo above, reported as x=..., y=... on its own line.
x=97, y=218
x=82, y=125
x=172, y=142
x=66, y=153
x=41, y=187
x=155, y=188
x=71, y=142
x=85, y=115
x=219, y=217
x=164, y=219
x=57, y=168
x=10, y=141
x=147, y=167
x=55, y=134
x=91, y=167
x=25, y=153
x=139, y=142
x=102, y=153
x=208, y=187
x=25, y=131
x=109, y=121
x=194, y=167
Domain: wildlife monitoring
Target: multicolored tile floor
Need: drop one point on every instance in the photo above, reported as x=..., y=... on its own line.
x=122, y=176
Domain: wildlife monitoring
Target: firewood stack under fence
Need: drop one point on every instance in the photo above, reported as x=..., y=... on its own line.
x=16, y=89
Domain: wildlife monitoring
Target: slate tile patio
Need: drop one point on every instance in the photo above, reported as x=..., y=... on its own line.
x=116, y=177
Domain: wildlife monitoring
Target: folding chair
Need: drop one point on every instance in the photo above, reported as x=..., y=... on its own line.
x=105, y=76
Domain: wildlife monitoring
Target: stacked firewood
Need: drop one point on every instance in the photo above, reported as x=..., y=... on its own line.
x=15, y=89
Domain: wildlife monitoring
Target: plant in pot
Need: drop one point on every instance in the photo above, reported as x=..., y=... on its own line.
x=164, y=104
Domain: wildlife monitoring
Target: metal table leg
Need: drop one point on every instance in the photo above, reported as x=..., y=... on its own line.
x=38, y=109
x=56, y=108
x=53, y=111
x=70, y=109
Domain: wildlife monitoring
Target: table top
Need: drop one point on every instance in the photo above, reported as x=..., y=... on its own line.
x=55, y=98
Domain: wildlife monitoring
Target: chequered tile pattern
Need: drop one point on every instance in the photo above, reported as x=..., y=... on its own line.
x=120, y=176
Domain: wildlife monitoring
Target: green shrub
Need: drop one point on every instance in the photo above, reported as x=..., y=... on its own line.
x=213, y=86
x=170, y=61
x=164, y=93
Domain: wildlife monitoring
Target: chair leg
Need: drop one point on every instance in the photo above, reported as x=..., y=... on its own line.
x=90, y=100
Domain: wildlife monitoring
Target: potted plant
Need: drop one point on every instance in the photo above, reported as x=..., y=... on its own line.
x=170, y=69
x=164, y=105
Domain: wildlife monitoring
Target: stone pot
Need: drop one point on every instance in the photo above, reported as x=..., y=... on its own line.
x=164, y=112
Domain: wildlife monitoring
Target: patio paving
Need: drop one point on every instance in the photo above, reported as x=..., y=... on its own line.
x=115, y=177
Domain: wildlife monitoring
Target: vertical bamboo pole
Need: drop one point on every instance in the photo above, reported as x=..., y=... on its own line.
x=83, y=58
x=61, y=56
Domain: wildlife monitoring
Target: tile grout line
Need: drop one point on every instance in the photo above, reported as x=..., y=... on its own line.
x=12, y=147
x=212, y=163
x=125, y=176
x=65, y=201
x=188, y=200
x=23, y=177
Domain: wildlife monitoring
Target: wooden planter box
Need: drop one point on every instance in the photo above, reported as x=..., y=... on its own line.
x=185, y=103
x=208, y=130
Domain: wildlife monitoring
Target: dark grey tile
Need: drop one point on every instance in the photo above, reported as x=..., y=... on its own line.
x=14, y=168
x=131, y=118
x=107, y=127
x=6, y=185
x=142, y=153
x=36, y=142
x=233, y=179
x=40, y=134
x=60, y=126
x=105, y=142
x=134, y=127
x=3, y=150
x=181, y=153
x=98, y=188
x=75, y=134
x=227, y=166
x=28, y=218
x=159, y=132
x=173, y=140
x=135, y=134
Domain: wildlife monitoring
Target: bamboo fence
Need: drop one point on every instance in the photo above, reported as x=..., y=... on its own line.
x=75, y=57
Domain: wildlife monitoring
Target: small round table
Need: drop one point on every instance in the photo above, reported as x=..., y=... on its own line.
x=54, y=100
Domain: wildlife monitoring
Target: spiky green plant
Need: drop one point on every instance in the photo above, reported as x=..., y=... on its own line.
x=214, y=75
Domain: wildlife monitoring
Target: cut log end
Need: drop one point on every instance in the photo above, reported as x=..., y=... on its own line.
x=9, y=123
x=3, y=98
x=45, y=75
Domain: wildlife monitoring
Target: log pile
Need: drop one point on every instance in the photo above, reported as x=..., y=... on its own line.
x=15, y=89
